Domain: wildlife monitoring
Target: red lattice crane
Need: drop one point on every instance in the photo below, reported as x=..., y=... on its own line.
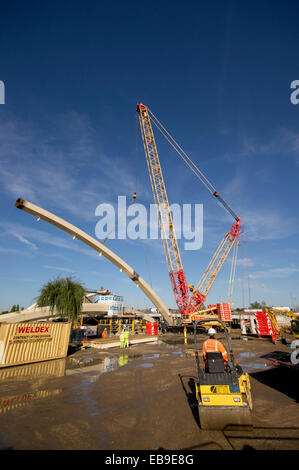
x=187, y=305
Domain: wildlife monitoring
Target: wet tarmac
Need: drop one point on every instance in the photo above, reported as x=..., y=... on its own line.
x=141, y=398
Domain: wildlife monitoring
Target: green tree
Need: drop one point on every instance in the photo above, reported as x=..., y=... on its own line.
x=63, y=295
x=255, y=305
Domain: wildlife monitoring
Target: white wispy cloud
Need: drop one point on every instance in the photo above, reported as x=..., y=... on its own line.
x=14, y=251
x=263, y=224
x=58, y=268
x=49, y=168
x=261, y=220
x=23, y=240
x=282, y=141
x=245, y=262
x=278, y=273
x=45, y=238
x=292, y=251
x=285, y=141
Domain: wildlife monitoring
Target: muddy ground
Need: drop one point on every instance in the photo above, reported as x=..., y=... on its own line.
x=142, y=398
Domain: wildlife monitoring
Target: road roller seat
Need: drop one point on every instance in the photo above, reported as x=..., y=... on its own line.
x=214, y=363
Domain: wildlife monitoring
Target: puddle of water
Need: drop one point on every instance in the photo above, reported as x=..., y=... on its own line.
x=173, y=342
x=250, y=367
x=146, y=365
x=178, y=353
x=107, y=364
x=247, y=354
x=150, y=356
x=33, y=371
x=24, y=384
x=254, y=366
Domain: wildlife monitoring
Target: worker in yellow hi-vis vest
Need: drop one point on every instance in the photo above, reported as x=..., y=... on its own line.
x=185, y=335
x=122, y=339
x=127, y=333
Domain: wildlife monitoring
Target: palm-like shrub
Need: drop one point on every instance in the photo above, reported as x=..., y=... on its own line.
x=63, y=295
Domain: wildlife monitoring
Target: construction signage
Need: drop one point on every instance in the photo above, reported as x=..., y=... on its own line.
x=23, y=343
x=31, y=334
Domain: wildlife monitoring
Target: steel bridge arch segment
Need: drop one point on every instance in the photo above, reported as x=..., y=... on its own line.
x=100, y=248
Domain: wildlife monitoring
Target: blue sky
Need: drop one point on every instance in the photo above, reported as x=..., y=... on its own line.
x=216, y=75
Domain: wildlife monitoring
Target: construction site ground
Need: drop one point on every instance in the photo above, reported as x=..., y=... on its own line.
x=143, y=397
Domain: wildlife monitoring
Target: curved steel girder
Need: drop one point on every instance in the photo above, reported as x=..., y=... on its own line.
x=100, y=248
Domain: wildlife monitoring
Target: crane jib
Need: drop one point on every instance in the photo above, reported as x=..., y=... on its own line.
x=225, y=205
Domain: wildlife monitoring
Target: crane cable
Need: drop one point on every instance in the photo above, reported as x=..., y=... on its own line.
x=191, y=165
x=232, y=271
x=248, y=276
x=194, y=168
x=136, y=155
x=243, y=282
x=182, y=154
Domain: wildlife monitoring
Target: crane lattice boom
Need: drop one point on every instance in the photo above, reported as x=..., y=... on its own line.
x=186, y=305
x=172, y=253
x=211, y=272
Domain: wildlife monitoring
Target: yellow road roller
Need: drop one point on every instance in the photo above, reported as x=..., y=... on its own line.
x=222, y=390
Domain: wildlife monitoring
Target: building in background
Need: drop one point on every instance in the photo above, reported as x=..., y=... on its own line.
x=113, y=302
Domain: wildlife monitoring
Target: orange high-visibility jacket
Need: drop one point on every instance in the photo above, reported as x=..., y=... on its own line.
x=213, y=345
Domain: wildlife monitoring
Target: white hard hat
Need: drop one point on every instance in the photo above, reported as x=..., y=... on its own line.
x=211, y=332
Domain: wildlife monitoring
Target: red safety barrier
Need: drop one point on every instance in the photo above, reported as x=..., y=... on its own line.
x=151, y=328
x=264, y=326
x=224, y=312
